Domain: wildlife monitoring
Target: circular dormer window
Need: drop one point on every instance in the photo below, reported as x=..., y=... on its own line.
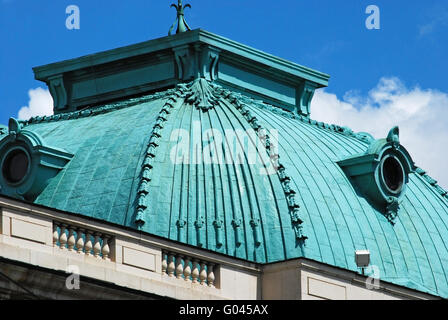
x=16, y=165
x=392, y=174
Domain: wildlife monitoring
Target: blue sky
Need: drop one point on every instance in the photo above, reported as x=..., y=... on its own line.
x=410, y=49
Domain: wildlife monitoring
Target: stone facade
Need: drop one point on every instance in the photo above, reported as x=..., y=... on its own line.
x=41, y=252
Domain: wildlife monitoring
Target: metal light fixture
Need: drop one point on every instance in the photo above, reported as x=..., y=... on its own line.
x=362, y=258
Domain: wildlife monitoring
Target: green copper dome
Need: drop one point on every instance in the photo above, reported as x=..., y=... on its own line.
x=212, y=165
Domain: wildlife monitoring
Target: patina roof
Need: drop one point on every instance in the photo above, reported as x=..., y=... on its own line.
x=123, y=171
x=224, y=155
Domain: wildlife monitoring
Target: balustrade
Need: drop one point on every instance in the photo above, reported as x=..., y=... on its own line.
x=79, y=240
x=96, y=244
x=188, y=268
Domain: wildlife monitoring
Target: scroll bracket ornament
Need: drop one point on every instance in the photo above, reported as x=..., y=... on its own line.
x=196, y=61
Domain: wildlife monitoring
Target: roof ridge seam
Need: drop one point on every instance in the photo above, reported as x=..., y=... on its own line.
x=94, y=111
x=432, y=182
x=279, y=168
x=331, y=127
x=154, y=141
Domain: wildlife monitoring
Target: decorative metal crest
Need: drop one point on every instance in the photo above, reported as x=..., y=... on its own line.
x=182, y=25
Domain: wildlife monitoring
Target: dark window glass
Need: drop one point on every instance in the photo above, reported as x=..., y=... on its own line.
x=393, y=174
x=15, y=166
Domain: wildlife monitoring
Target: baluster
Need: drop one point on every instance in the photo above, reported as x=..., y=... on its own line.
x=55, y=234
x=187, y=269
x=170, y=269
x=71, y=239
x=179, y=266
x=63, y=237
x=88, y=246
x=211, y=275
x=97, y=245
x=203, y=274
x=80, y=241
x=105, y=251
x=195, y=273
x=164, y=262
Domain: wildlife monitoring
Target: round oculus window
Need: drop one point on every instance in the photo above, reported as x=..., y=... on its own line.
x=392, y=174
x=15, y=166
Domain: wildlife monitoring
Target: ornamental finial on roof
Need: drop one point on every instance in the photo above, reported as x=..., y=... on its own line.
x=182, y=25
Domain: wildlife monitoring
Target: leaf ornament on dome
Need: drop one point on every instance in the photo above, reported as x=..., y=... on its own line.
x=202, y=95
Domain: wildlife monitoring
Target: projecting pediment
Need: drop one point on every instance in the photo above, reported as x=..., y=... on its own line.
x=381, y=173
x=27, y=162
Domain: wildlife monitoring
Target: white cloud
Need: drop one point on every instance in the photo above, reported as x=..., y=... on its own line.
x=438, y=19
x=40, y=104
x=421, y=114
